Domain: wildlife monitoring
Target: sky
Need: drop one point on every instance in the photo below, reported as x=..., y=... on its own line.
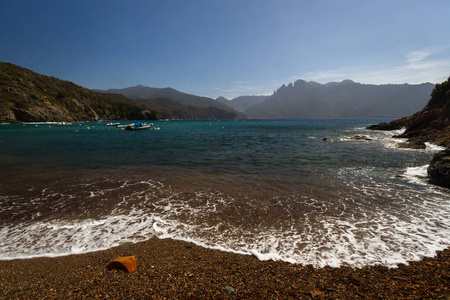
x=227, y=47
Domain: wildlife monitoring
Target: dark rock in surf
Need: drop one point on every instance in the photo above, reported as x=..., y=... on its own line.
x=386, y=126
x=360, y=137
x=439, y=169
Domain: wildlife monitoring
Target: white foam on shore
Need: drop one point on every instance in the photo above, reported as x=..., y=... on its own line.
x=433, y=148
x=385, y=137
x=372, y=223
x=418, y=175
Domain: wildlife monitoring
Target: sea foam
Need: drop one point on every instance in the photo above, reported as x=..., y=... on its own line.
x=417, y=175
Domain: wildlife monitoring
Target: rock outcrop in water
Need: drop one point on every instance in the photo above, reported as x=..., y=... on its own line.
x=431, y=124
x=439, y=169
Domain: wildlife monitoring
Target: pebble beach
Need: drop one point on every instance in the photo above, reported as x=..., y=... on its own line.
x=170, y=269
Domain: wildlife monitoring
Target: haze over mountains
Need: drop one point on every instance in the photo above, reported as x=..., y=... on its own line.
x=346, y=99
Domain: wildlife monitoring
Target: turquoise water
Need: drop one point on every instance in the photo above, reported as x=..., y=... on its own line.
x=229, y=146
x=271, y=188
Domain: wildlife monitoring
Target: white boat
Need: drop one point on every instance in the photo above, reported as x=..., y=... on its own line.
x=112, y=124
x=124, y=125
x=139, y=126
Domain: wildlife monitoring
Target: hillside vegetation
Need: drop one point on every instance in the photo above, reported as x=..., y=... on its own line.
x=30, y=97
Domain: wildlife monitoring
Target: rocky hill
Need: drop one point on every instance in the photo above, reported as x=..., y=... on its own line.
x=346, y=99
x=430, y=124
x=177, y=104
x=26, y=96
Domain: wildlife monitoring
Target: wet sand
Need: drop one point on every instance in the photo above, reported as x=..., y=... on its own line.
x=168, y=269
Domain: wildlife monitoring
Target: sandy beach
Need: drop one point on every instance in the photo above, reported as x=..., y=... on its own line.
x=169, y=269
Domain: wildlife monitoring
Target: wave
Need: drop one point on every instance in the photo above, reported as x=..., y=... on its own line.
x=433, y=148
x=353, y=219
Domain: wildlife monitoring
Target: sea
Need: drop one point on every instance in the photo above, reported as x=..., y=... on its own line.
x=310, y=192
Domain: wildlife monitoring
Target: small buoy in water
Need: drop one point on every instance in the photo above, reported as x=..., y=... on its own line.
x=123, y=128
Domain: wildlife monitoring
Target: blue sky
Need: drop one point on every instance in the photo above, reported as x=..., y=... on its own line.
x=227, y=47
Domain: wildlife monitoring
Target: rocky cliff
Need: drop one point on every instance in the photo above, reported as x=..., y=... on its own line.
x=26, y=96
x=431, y=124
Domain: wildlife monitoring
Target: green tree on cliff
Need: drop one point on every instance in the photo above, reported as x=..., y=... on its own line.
x=438, y=95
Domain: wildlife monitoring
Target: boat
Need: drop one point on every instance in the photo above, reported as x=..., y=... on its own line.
x=112, y=124
x=139, y=126
x=124, y=125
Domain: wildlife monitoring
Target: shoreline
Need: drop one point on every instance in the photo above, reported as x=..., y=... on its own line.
x=174, y=269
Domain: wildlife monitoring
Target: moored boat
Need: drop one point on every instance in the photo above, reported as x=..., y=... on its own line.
x=124, y=125
x=139, y=126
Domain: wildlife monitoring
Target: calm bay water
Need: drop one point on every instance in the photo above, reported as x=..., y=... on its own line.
x=269, y=188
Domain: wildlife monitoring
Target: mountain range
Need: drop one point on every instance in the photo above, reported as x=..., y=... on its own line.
x=173, y=104
x=28, y=96
x=346, y=99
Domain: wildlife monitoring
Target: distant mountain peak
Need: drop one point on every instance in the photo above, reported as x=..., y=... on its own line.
x=345, y=99
x=348, y=81
x=306, y=84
